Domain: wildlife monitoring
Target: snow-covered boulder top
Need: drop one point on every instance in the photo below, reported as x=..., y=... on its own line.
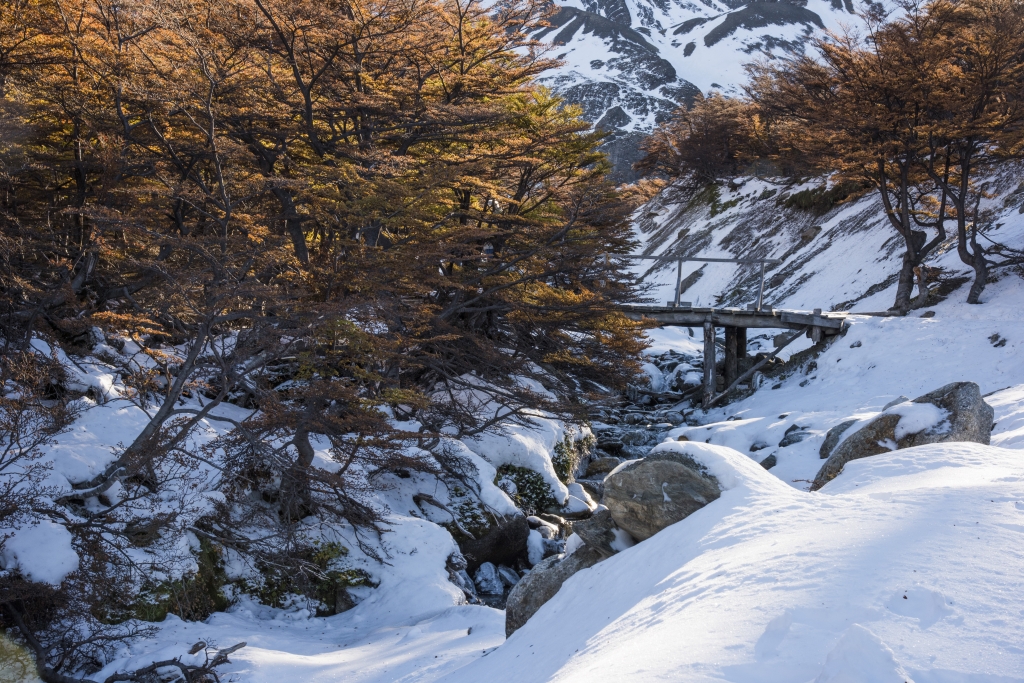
x=955, y=412
x=905, y=568
x=729, y=467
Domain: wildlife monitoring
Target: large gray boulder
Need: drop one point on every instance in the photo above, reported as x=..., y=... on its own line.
x=968, y=418
x=541, y=584
x=645, y=496
x=832, y=438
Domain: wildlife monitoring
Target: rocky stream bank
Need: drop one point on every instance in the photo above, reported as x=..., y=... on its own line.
x=636, y=478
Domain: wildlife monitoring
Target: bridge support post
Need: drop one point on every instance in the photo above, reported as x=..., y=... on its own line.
x=709, y=364
x=735, y=350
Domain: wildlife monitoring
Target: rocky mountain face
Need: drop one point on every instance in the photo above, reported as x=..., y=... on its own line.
x=629, y=63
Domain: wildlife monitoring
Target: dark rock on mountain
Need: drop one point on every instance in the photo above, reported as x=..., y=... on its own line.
x=760, y=15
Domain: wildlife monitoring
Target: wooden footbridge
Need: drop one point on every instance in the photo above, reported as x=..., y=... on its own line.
x=736, y=321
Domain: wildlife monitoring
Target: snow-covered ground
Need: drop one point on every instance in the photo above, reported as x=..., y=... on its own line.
x=768, y=583
x=905, y=568
x=878, y=360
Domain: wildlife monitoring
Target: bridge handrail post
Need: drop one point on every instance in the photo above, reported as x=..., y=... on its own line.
x=760, y=289
x=679, y=280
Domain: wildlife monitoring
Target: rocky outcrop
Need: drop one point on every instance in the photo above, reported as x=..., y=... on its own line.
x=645, y=496
x=541, y=584
x=966, y=418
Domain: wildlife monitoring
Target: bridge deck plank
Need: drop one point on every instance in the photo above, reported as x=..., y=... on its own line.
x=830, y=323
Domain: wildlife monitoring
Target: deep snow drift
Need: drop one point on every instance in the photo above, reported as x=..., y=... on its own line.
x=907, y=567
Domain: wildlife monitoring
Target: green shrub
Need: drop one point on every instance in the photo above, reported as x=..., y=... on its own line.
x=469, y=512
x=193, y=598
x=319, y=579
x=711, y=196
x=533, y=494
x=820, y=200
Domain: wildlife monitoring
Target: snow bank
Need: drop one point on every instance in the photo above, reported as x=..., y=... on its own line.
x=906, y=567
x=1009, y=415
x=524, y=446
x=875, y=362
x=730, y=467
x=41, y=552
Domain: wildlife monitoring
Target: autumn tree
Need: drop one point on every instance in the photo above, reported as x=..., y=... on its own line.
x=973, y=112
x=344, y=218
x=917, y=108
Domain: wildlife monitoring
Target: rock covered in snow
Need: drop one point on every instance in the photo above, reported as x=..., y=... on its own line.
x=508, y=576
x=645, y=496
x=487, y=580
x=541, y=544
x=541, y=584
x=955, y=412
x=579, y=505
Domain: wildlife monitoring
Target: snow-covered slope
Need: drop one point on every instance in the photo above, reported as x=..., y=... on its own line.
x=844, y=258
x=906, y=568
x=629, y=63
x=768, y=583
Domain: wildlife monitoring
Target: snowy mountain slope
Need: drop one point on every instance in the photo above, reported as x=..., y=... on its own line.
x=845, y=258
x=629, y=63
x=907, y=568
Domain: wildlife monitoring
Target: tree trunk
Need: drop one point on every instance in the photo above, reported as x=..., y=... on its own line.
x=295, y=499
x=980, y=265
x=905, y=287
x=292, y=223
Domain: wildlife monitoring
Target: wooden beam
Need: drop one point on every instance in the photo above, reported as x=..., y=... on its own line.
x=830, y=323
x=750, y=373
x=709, y=363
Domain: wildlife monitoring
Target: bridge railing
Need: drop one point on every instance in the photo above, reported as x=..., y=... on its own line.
x=679, y=269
